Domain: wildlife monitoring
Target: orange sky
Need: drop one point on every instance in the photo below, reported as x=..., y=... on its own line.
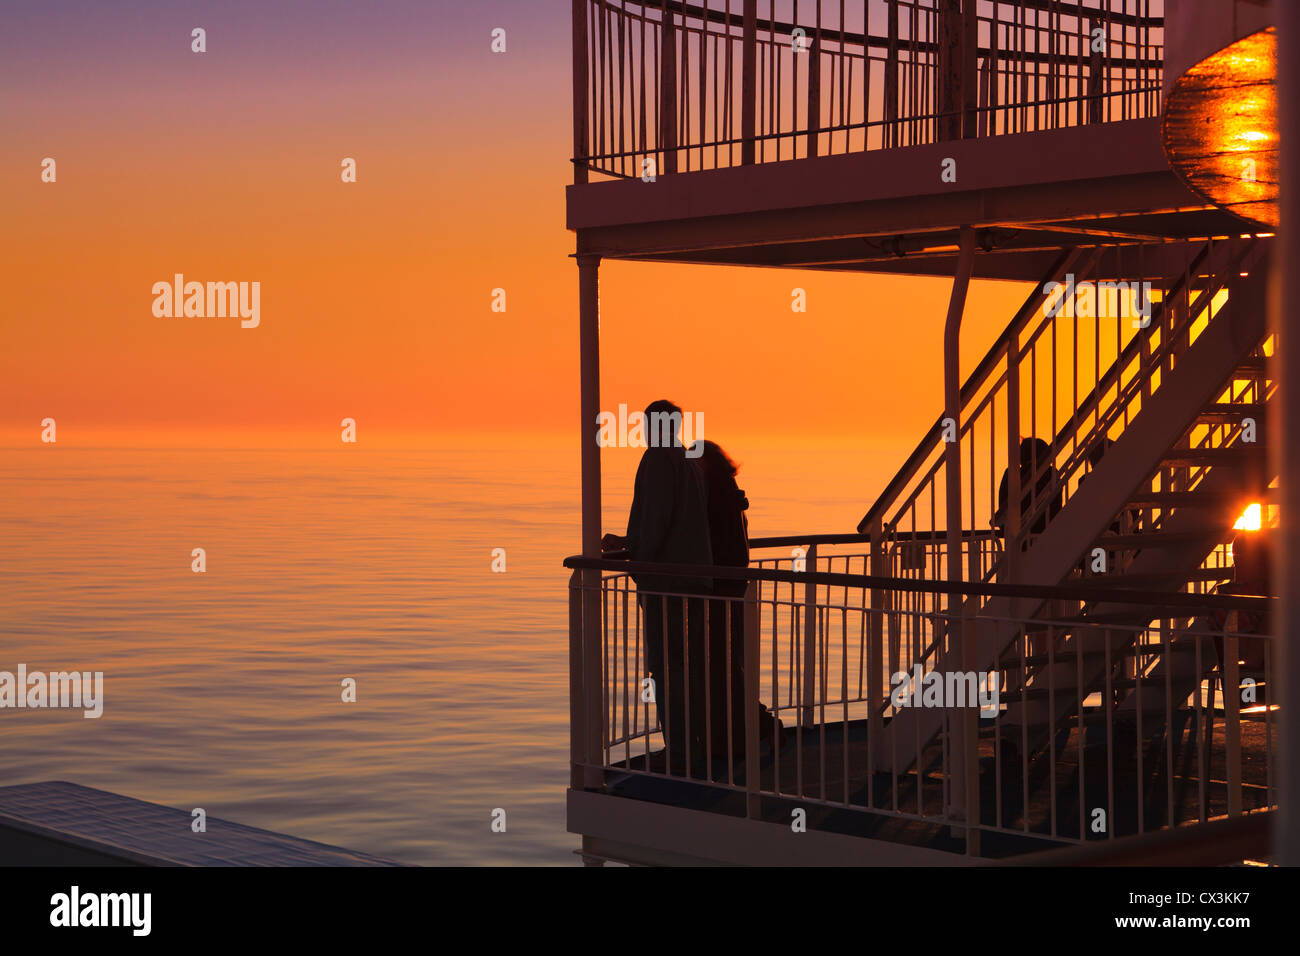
x=375, y=296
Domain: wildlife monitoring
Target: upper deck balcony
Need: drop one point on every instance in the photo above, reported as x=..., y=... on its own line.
x=860, y=134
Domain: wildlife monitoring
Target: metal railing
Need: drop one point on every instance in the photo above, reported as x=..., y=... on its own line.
x=1079, y=381
x=1168, y=746
x=1076, y=381
x=665, y=86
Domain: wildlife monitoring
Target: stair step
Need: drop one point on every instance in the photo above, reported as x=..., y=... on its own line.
x=1228, y=412
x=1042, y=693
x=1116, y=619
x=1187, y=499
x=1251, y=367
x=1234, y=454
x=1044, y=660
x=1157, y=539
x=1165, y=577
x=1065, y=622
x=1067, y=689
x=1096, y=716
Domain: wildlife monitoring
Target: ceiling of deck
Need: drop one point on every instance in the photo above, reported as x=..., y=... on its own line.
x=1028, y=195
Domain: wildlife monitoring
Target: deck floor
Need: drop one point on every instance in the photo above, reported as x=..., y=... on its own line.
x=1145, y=797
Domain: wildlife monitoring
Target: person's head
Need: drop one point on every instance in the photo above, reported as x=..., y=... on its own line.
x=1250, y=559
x=1034, y=455
x=716, y=463
x=663, y=424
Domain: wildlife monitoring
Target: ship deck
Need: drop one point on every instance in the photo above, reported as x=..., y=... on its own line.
x=905, y=808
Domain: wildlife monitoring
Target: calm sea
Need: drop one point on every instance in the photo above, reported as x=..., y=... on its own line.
x=223, y=689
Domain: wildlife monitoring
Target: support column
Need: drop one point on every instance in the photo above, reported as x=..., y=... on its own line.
x=592, y=631
x=952, y=399
x=962, y=722
x=1286, y=453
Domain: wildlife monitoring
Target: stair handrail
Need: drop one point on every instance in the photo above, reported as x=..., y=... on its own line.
x=1066, y=262
x=1112, y=378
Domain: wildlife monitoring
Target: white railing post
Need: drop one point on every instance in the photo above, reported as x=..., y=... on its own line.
x=753, y=670
x=1232, y=712
x=807, y=714
x=577, y=694
x=969, y=781
x=592, y=621
x=877, y=685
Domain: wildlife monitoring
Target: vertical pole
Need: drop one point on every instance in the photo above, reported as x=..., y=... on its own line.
x=1286, y=452
x=876, y=682
x=1232, y=713
x=813, y=57
x=668, y=90
x=970, y=735
x=1095, y=74
x=589, y=339
x=958, y=740
x=753, y=669
x=987, y=93
x=809, y=694
x=949, y=73
x=952, y=400
x=890, y=135
x=1011, y=517
x=749, y=83
x=970, y=68
x=580, y=148
x=577, y=695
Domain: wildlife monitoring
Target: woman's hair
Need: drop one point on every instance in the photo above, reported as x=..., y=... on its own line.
x=1034, y=451
x=716, y=462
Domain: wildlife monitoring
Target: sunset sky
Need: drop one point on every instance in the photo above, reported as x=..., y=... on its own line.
x=376, y=296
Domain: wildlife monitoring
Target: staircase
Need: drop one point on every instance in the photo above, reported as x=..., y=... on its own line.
x=1145, y=477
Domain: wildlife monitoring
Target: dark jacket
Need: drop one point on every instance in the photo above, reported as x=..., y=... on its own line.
x=669, y=519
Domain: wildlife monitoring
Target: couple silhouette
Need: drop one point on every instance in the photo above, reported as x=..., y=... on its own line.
x=687, y=509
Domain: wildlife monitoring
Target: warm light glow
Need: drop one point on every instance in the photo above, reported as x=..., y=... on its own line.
x=1252, y=519
x=1219, y=127
x=1249, y=139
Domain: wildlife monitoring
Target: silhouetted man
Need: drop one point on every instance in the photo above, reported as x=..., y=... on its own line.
x=668, y=524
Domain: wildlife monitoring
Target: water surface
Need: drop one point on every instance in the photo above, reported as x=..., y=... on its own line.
x=223, y=689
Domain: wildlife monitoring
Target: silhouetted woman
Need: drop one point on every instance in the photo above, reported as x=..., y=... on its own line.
x=729, y=541
x=1035, y=457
